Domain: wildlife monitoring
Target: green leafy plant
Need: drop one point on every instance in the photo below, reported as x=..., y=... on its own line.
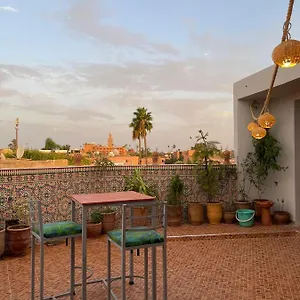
x=208, y=175
x=96, y=216
x=262, y=161
x=176, y=189
x=108, y=210
x=20, y=210
x=137, y=184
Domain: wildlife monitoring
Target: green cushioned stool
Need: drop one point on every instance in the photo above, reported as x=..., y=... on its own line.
x=58, y=229
x=136, y=238
x=131, y=238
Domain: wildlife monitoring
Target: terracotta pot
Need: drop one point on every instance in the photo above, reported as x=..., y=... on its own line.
x=18, y=239
x=174, y=215
x=265, y=207
x=195, y=213
x=214, y=213
x=257, y=208
x=2, y=240
x=94, y=229
x=140, y=212
x=243, y=205
x=281, y=217
x=229, y=217
x=108, y=222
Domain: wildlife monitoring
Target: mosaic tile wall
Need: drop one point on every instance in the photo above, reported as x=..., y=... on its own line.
x=53, y=185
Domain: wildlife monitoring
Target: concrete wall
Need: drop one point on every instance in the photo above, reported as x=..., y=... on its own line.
x=282, y=106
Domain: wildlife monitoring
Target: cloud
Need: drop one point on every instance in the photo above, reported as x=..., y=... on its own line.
x=9, y=9
x=89, y=18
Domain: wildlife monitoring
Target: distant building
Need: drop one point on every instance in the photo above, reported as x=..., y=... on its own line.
x=109, y=150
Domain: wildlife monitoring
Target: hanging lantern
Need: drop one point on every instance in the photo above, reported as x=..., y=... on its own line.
x=266, y=120
x=287, y=54
x=252, y=125
x=259, y=133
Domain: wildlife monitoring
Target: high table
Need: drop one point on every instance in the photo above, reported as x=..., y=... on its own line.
x=87, y=201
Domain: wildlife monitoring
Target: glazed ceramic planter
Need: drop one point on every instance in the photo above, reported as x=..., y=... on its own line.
x=108, y=222
x=2, y=240
x=94, y=229
x=18, y=239
x=174, y=215
x=281, y=217
x=214, y=213
x=195, y=213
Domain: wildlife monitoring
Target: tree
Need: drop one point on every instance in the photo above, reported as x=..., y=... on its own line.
x=65, y=147
x=50, y=144
x=141, y=125
x=13, y=144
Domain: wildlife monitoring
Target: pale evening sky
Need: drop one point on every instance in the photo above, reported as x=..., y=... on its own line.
x=76, y=70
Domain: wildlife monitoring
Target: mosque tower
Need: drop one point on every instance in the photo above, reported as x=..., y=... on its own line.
x=110, y=141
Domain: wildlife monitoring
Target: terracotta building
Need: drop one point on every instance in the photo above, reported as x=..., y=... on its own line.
x=110, y=149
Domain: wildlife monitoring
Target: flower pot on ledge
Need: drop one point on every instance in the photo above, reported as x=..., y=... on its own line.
x=174, y=215
x=265, y=207
x=229, y=217
x=214, y=212
x=195, y=213
x=281, y=217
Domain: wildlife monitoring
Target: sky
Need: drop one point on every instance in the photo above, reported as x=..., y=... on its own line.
x=75, y=70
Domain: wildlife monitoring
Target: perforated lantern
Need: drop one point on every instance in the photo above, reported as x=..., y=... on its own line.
x=252, y=125
x=287, y=54
x=266, y=120
x=259, y=133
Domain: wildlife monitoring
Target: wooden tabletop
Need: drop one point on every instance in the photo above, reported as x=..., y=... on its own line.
x=110, y=198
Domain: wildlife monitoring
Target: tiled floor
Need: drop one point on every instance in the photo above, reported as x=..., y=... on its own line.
x=259, y=263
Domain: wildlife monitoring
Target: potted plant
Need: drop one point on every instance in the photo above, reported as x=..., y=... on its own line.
x=174, y=199
x=208, y=175
x=244, y=186
x=2, y=227
x=94, y=226
x=259, y=164
x=108, y=219
x=229, y=211
x=195, y=213
x=281, y=216
x=137, y=184
x=18, y=236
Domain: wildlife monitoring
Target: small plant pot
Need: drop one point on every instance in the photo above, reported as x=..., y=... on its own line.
x=2, y=240
x=257, y=208
x=243, y=205
x=195, y=213
x=18, y=239
x=140, y=212
x=174, y=215
x=214, y=213
x=229, y=217
x=94, y=229
x=265, y=207
x=108, y=222
x=281, y=217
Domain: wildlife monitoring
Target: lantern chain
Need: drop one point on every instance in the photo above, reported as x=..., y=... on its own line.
x=285, y=36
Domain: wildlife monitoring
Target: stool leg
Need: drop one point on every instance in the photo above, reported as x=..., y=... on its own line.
x=72, y=269
x=146, y=273
x=123, y=275
x=108, y=270
x=32, y=266
x=164, y=258
x=153, y=273
x=42, y=270
x=131, y=267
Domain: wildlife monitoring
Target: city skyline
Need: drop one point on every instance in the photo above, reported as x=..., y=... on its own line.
x=76, y=70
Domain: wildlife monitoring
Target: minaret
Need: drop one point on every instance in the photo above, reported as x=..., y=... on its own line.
x=110, y=141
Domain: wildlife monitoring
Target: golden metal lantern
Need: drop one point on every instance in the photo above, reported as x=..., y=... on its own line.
x=252, y=125
x=266, y=120
x=259, y=133
x=287, y=54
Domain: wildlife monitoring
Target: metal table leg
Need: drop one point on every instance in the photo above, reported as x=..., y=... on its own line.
x=84, y=256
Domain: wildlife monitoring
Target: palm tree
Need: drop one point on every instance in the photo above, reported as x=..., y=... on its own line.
x=141, y=125
x=13, y=144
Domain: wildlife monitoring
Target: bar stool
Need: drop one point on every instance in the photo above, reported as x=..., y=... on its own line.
x=141, y=237
x=48, y=233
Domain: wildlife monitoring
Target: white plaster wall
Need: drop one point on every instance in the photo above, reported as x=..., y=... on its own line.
x=283, y=108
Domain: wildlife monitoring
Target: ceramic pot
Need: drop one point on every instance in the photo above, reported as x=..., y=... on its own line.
x=243, y=205
x=174, y=215
x=18, y=239
x=108, y=222
x=195, y=213
x=2, y=240
x=281, y=217
x=140, y=212
x=265, y=207
x=214, y=213
x=94, y=229
x=229, y=217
